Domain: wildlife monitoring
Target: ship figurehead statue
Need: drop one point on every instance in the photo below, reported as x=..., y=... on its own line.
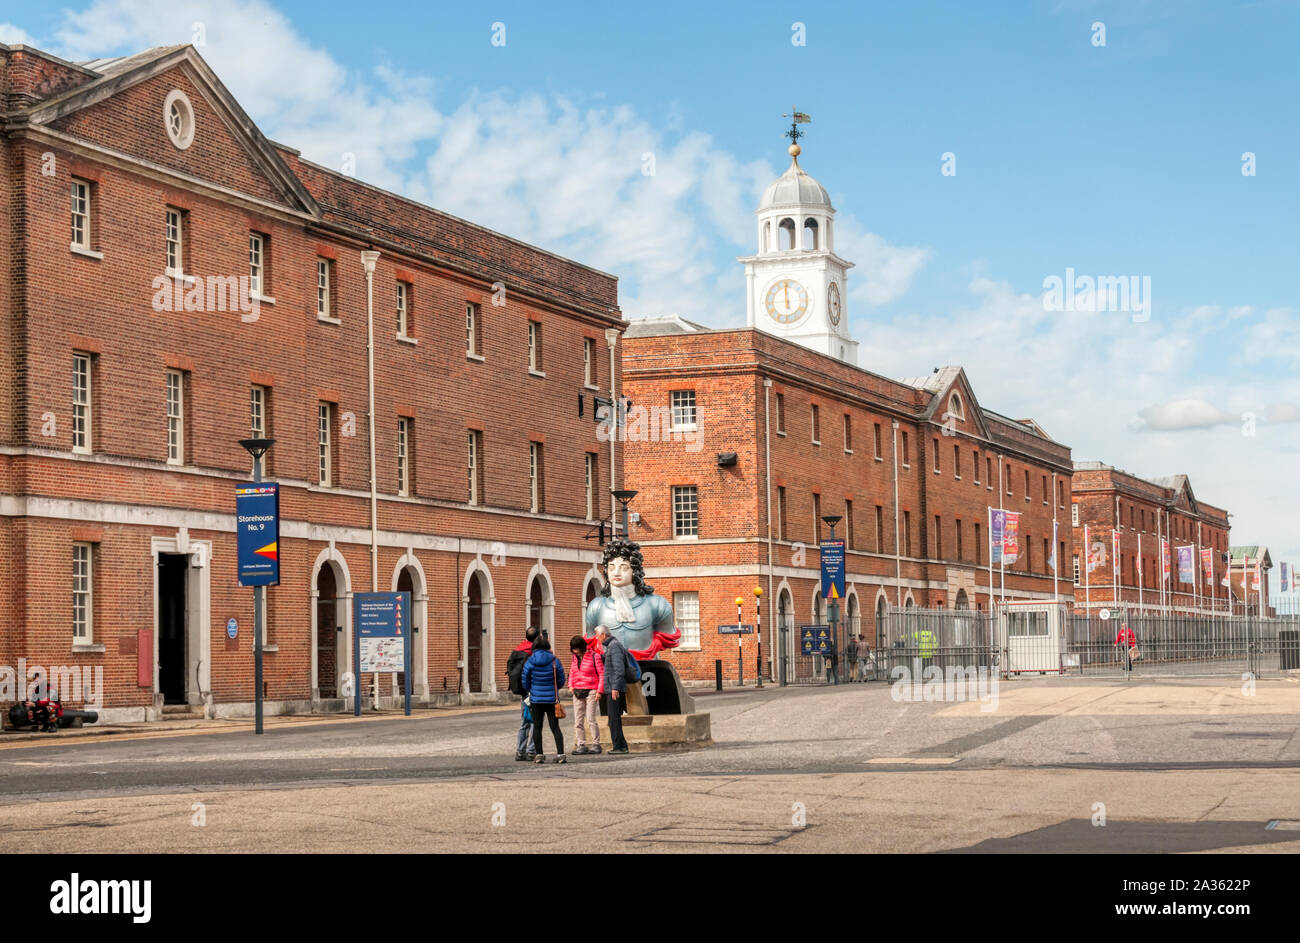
x=629, y=608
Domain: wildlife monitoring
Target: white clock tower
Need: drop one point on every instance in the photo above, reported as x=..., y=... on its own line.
x=796, y=282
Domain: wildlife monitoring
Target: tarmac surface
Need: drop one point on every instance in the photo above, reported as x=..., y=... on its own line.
x=1179, y=766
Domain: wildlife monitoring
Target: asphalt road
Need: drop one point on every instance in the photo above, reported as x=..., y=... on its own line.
x=1176, y=766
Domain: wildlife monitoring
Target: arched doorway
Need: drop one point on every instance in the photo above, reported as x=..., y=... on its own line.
x=882, y=608
x=476, y=632
x=328, y=624
x=785, y=633
x=962, y=601
x=539, y=608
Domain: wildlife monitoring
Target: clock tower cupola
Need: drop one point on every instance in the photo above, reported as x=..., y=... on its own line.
x=796, y=283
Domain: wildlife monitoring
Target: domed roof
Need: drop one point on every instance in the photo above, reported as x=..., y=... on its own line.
x=795, y=188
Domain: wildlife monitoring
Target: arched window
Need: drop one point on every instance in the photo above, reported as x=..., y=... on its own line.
x=785, y=238
x=810, y=233
x=767, y=236
x=955, y=410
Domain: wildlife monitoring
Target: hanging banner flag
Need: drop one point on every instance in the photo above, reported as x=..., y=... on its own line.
x=1051, y=560
x=1186, y=569
x=1096, y=551
x=1011, y=537
x=1254, y=582
x=1207, y=566
x=1114, y=549
x=997, y=523
x=1285, y=580
x=1164, y=559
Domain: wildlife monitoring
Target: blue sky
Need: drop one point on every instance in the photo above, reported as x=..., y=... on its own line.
x=1122, y=159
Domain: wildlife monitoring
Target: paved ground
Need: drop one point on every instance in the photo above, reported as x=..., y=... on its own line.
x=1176, y=766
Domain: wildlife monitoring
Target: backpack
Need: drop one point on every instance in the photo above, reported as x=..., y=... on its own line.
x=633, y=669
x=515, y=671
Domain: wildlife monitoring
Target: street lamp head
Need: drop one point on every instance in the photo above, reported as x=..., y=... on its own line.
x=758, y=591
x=257, y=447
x=624, y=495
x=832, y=519
x=740, y=600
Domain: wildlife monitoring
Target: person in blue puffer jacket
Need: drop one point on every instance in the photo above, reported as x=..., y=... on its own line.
x=543, y=677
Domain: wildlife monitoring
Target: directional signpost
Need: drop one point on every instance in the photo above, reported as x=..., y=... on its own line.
x=381, y=642
x=257, y=539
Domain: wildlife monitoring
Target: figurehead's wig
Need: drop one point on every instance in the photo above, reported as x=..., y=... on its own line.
x=631, y=552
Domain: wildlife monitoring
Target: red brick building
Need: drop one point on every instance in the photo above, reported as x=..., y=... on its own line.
x=174, y=282
x=1115, y=505
x=1249, y=567
x=740, y=442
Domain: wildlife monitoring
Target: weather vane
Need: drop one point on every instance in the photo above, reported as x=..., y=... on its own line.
x=797, y=118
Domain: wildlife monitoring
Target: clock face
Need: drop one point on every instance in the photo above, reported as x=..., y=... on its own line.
x=786, y=301
x=833, y=303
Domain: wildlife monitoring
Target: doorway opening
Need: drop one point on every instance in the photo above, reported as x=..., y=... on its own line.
x=327, y=630
x=173, y=570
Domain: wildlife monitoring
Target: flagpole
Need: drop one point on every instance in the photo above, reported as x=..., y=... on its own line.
x=1087, y=569
x=990, y=549
x=1002, y=557
x=1196, y=583
x=1114, y=557
x=1056, y=569
x=1141, y=604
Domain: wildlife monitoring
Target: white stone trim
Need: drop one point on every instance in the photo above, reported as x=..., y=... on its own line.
x=343, y=583
x=487, y=653
x=420, y=621
x=107, y=512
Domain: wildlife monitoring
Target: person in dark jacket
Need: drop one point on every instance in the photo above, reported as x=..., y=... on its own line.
x=614, y=686
x=524, y=740
x=543, y=678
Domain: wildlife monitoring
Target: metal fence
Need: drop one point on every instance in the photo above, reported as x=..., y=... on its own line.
x=1179, y=644
x=1169, y=645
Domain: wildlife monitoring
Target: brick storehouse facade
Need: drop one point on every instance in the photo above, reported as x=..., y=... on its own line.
x=1109, y=502
x=130, y=372
x=708, y=405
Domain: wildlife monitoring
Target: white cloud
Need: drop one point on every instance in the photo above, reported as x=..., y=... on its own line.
x=1282, y=413
x=1184, y=414
x=882, y=273
x=12, y=35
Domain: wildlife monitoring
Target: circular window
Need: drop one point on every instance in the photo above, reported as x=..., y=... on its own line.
x=179, y=117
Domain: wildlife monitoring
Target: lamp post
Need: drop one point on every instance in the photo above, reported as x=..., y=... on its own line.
x=257, y=448
x=740, y=643
x=758, y=629
x=833, y=607
x=624, y=498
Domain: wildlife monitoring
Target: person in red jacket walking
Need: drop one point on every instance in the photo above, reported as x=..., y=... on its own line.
x=586, y=671
x=1127, y=642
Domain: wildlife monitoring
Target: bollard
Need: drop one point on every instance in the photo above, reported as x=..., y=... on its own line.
x=717, y=672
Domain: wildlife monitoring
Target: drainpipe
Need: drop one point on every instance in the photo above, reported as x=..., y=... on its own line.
x=368, y=260
x=898, y=560
x=767, y=448
x=611, y=341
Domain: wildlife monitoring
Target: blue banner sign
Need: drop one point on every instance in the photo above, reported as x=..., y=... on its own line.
x=832, y=569
x=257, y=527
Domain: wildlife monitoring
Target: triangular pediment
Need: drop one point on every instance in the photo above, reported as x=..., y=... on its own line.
x=123, y=111
x=962, y=412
